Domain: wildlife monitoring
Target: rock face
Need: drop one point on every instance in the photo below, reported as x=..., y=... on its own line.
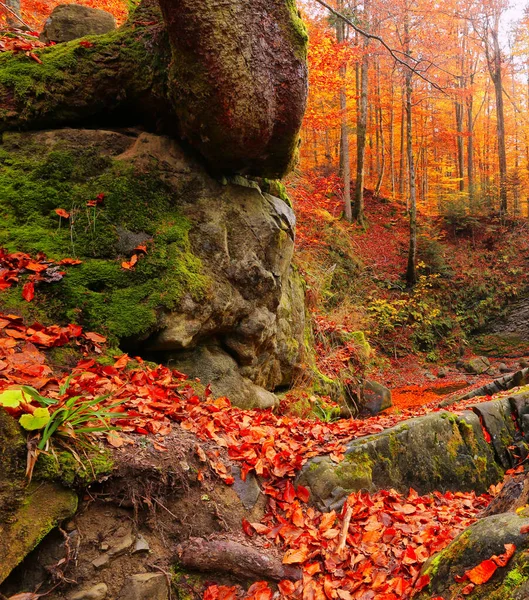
x=72, y=21
x=46, y=505
x=440, y=451
x=215, y=294
x=482, y=540
x=240, y=80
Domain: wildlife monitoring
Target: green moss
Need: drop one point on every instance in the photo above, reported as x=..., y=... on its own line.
x=71, y=472
x=98, y=294
x=12, y=460
x=355, y=472
x=187, y=586
x=37, y=90
x=45, y=506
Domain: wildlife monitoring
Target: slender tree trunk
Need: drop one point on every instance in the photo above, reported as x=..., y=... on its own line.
x=392, y=144
x=470, y=149
x=411, y=271
x=494, y=60
x=402, y=142
x=380, y=129
x=345, y=165
x=460, y=141
x=361, y=138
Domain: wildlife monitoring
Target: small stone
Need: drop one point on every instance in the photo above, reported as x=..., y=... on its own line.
x=503, y=368
x=248, y=490
x=95, y=592
x=121, y=544
x=69, y=526
x=141, y=545
x=523, y=363
x=145, y=586
x=101, y=561
x=442, y=372
x=73, y=21
x=476, y=366
x=104, y=547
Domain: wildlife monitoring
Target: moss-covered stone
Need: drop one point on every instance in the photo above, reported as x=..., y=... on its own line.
x=479, y=542
x=73, y=472
x=12, y=465
x=45, y=505
x=99, y=293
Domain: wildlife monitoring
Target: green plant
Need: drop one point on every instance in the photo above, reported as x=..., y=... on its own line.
x=72, y=418
x=326, y=411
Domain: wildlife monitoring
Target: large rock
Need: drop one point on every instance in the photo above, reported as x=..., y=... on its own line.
x=440, y=451
x=216, y=293
x=240, y=81
x=482, y=540
x=71, y=21
x=45, y=506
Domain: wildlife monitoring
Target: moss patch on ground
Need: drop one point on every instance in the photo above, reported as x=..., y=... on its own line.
x=74, y=472
x=98, y=294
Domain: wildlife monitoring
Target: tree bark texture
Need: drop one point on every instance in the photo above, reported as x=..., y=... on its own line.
x=232, y=557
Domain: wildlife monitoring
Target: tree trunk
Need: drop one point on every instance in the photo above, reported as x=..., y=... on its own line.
x=361, y=138
x=411, y=271
x=345, y=164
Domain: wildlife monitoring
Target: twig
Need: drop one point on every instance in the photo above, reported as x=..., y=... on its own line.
x=10, y=10
x=165, y=508
x=167, y=577
x=345, y=529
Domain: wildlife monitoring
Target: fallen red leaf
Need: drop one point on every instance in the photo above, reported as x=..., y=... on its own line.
x=482, y=573
x=28, y=291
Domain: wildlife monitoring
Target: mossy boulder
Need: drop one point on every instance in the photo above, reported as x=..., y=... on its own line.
x=44, y=507
x=440, y=451
x=12, y=466
x=480, y=542
x=231, y=79
x=217, y=268
x=240, y=81
x=72, y=21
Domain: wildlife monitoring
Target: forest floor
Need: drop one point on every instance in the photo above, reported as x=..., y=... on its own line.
x=470, y=271
x=366, y=323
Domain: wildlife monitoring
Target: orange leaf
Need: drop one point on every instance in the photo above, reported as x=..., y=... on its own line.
x=295, y=555
x=286, y=587
x=95, y=337
x=28, y=291
x=504, y=558
x=482, y=573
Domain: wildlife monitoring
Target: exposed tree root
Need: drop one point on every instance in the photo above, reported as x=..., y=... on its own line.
x=232, y=557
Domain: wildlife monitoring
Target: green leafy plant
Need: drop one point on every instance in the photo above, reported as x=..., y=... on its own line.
x=72, y=418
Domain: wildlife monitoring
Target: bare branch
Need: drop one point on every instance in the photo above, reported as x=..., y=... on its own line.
x=11, y=11
x=394, y=53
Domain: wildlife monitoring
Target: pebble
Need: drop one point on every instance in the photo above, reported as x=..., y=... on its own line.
x=95, y=592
